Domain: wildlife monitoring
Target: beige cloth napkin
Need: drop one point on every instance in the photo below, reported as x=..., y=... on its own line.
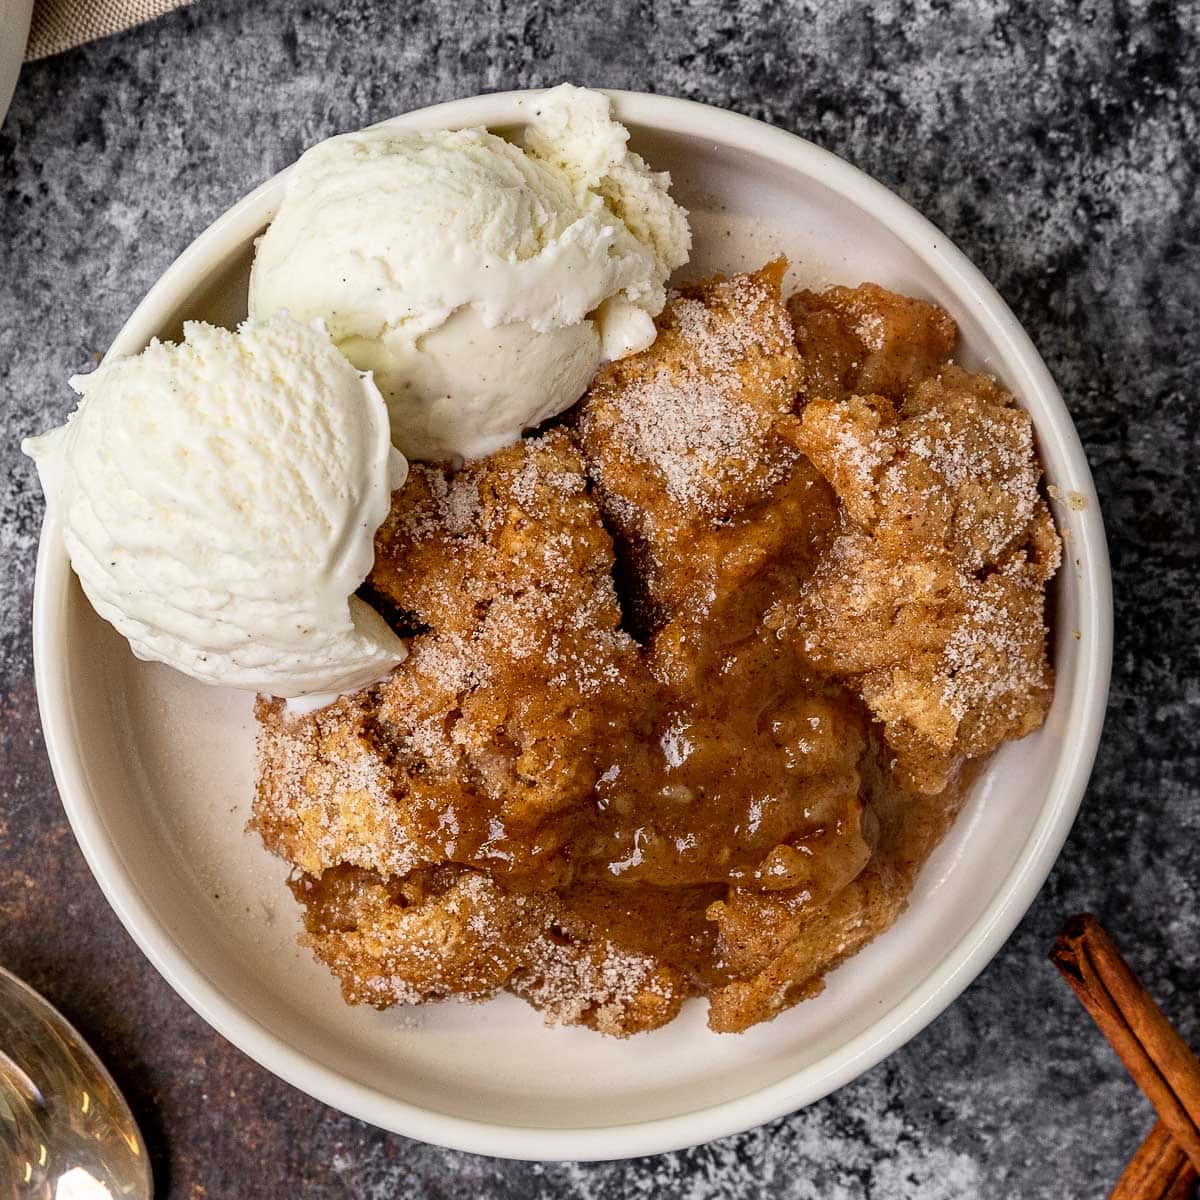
x=62, y=24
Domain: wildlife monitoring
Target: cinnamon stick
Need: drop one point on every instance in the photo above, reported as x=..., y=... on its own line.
x=1160, y=1061
x=1159, y=1170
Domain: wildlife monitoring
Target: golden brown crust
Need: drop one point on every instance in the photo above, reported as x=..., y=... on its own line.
x=690, y=434
x=446, y=932
x=480, y=748
x=867, y=341
x=930, y=600
x=832, y=559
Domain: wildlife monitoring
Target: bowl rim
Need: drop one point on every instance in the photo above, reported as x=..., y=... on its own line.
x=910, y=1013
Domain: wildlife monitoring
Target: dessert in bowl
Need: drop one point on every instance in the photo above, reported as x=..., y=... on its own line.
x=161, y=797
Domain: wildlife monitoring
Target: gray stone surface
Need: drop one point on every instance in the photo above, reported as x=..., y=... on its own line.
x=1055, y=142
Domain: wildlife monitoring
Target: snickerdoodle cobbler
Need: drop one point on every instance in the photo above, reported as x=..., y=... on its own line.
x=696, y=676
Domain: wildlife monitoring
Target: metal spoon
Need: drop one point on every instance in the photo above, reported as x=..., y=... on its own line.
x=66, y=1132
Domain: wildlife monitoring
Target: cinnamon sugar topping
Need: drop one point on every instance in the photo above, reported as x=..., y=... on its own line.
x=829, y=543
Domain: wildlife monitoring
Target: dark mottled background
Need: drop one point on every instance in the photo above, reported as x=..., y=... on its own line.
x=1055, y=142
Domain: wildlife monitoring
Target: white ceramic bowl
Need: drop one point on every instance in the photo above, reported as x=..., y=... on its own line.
x=156, y=771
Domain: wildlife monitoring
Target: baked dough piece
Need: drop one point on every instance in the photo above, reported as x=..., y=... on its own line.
x=446, y=931
x=482, y=748
x=868, y=340
x=687, y=444
x=930, y=601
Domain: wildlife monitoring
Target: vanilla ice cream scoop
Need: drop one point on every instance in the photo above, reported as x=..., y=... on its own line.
x=219, y=500
x=482, y=282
